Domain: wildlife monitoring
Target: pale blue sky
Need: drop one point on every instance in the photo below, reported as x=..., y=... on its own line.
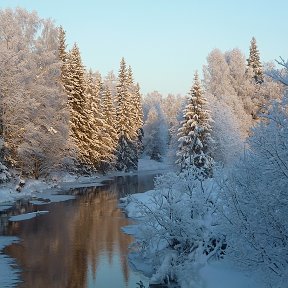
x=164, y=41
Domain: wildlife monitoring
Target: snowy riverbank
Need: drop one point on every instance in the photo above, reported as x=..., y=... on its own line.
x=40, y=192
x=214, y=274
x=64, y=182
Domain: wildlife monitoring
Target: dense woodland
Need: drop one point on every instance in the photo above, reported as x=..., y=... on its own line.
x=231, y=129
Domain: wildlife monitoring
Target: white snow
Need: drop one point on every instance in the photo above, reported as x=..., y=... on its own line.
x=26, y=216
x=8, y=276
x=66, y=181
x=218, y=274
x=221, y=274
x=51, y=198
x=131, y=206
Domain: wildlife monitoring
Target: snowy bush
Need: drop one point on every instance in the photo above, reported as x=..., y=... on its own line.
x=176, y=234
x=255, y=202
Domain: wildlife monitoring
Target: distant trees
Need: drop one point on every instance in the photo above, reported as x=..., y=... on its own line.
x=231, y=89
x=195, y=133
x=156, y=134
x=161, y=124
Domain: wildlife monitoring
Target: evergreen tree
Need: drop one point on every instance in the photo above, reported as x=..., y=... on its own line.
x=194, y=134
x=136, y=113
x=122, y=102
x=109, y=113
x=127, y=156
x=81, y=133
x=254, y=62
x=102, y=133
x=139, y=118
x=62, y=44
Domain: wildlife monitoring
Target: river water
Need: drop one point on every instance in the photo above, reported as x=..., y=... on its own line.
x=79, y=243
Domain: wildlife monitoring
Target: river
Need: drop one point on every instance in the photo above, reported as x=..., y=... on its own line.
x=79, y=243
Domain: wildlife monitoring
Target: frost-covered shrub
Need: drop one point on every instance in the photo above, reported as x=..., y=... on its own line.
x=176, y=232
x=255, y=201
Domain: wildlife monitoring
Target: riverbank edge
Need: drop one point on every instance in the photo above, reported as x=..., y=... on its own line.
x=62, y=183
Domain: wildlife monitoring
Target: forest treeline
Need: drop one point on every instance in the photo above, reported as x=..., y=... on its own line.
x=57, y=115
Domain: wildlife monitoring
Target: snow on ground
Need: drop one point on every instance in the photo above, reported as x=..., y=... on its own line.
x=65, y=181
x=26, y=216
x=131, y=206
x=220, y=274
x=8, y=276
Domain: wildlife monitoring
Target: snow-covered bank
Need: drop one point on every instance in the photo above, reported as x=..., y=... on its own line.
x=27, y=216
x=201, y=273
x=47, y=190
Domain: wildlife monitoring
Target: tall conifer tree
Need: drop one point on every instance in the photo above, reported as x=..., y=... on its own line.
x=103, y=148
x=127, y=156
x=194, y=134
x=80, y=132
x=254, y=62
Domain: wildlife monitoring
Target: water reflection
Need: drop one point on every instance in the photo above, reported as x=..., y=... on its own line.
x=79, y=243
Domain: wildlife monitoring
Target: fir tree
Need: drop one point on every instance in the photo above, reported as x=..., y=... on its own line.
x=254, y=62
x=139, y=118
x=194, y=134
x=62, y=44
x=109, y=113
x=102, y=133
x=122, y=102
x=127, y=156
x=80, y=132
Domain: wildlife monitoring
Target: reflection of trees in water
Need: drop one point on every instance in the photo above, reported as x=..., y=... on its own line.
x=97, y=232
x=6, y=227
x=58, y=247
x=44, y=253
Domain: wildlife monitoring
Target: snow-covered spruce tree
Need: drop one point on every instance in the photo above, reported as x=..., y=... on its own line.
x=255, y=201
x=81, y=129
x=109, y=114
x=104, y=134
x=139, y=118
x=62, y=44
x=136, y=118
x=195, y=133
x=254, y=62
x=127, y=156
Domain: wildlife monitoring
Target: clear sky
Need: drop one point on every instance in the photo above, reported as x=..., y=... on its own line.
x=164, y=41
